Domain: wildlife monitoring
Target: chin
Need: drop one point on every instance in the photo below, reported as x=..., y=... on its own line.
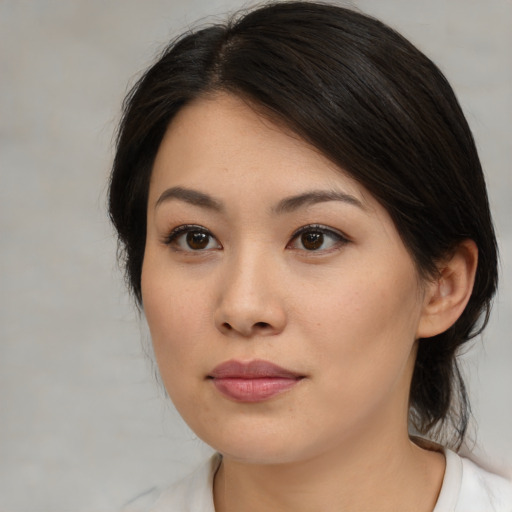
x=259, y=445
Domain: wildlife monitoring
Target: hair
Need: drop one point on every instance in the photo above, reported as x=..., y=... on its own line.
x=373, y=104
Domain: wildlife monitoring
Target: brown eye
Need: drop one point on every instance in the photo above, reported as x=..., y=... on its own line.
x=317, y=238
x=190, y=238
x=197, y=240
x=312, y=240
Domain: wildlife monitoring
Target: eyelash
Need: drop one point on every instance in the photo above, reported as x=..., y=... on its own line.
x=173, y=238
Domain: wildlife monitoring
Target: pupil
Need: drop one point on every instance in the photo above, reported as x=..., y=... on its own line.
x=197, y=240
x=312, y=241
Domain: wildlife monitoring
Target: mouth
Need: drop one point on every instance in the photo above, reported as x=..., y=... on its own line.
x=253, y=381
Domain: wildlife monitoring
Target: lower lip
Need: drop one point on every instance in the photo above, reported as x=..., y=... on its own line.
x=253, y=390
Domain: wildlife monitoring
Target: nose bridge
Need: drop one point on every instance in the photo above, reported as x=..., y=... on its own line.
x=249, y=300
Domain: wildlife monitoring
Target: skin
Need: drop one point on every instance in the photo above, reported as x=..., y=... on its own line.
x=345, y=316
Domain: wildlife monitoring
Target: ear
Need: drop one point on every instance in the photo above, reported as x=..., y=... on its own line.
x=447, y=296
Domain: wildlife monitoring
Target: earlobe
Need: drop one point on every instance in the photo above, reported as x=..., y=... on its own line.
x=447, y=295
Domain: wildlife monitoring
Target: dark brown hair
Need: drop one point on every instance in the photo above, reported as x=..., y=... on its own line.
x=373, y=104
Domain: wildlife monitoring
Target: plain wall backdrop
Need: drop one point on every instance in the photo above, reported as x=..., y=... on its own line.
x=83, y=425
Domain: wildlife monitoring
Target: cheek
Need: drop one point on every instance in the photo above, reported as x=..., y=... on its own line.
x=365, y=328
x=375, y=301
x=176, y=316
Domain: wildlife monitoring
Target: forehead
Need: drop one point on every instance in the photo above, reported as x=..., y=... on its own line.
x=223, y=140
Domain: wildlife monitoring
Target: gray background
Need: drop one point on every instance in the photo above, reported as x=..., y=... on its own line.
x=83, y=426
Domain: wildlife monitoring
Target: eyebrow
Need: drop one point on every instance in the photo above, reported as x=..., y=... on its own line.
x=190, y=196
x=293, y=203
x=286, y=205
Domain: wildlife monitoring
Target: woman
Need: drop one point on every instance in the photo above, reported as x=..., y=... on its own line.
x=306, y=226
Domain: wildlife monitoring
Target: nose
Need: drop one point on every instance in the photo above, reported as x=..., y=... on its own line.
x=250, y=300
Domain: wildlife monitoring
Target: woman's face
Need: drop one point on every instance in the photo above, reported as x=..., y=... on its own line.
x=282, y=303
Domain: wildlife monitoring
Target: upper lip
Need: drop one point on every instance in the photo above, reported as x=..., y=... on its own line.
x=255, y=369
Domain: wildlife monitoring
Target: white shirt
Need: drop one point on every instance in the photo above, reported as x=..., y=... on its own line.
x=466, y=488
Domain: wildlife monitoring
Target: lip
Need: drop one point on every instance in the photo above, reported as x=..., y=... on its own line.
x=252, y=381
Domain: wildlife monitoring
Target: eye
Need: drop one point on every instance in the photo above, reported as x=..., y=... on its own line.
x=192, y=238
x=316, y=238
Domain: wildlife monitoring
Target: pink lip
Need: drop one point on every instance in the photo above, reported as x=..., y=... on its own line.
x=254, y=381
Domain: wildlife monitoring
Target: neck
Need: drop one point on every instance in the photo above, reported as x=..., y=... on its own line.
x=389, y=473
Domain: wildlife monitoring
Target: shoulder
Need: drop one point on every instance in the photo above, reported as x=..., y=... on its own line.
x=485, y=488
x=467, y=487
x=191, y=494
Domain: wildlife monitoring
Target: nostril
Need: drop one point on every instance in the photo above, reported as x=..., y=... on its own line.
x=249, y=329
